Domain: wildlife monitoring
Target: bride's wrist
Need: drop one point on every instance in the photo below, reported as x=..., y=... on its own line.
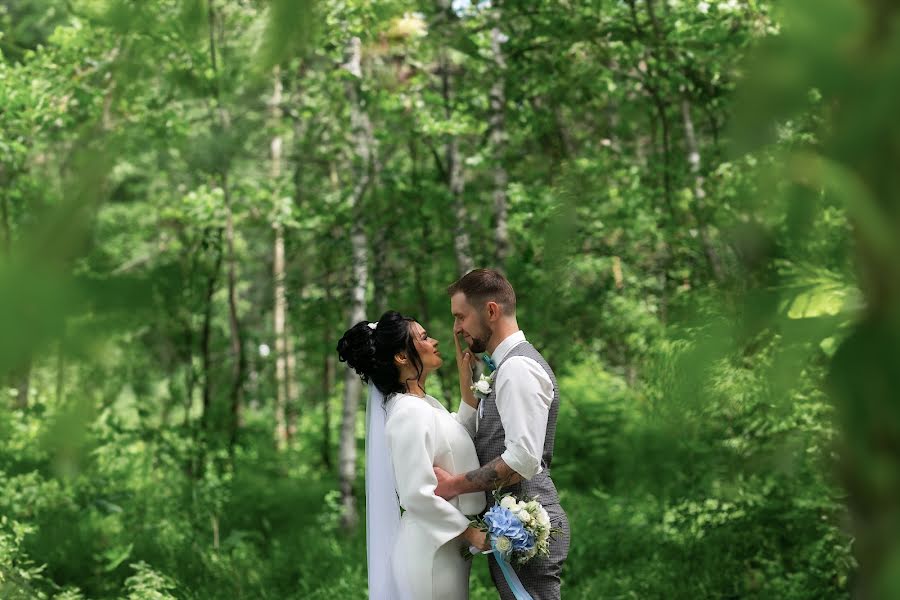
x=475, y=537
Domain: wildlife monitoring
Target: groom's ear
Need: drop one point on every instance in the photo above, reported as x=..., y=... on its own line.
x=493, y=310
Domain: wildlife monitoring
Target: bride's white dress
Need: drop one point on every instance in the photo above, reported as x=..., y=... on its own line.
x=426, y=559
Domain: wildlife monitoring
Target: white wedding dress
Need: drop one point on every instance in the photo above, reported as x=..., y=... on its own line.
x=426, y=560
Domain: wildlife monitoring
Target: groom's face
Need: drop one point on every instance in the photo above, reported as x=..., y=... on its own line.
x=469, y=322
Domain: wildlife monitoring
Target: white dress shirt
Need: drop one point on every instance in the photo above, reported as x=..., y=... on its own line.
x=524, y=394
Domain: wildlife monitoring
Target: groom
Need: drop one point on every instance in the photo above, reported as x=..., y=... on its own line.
x=516, y=422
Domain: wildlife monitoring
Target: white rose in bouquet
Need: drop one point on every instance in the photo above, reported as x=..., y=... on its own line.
x=543, y=519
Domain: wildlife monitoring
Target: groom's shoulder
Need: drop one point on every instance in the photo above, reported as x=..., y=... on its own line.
x=525, y=351
x=527, y=354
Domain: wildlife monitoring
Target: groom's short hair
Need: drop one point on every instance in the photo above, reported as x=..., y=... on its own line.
x=485, y=285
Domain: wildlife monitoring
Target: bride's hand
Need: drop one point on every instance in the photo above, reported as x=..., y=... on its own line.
x=477, y=538
x=464, y=362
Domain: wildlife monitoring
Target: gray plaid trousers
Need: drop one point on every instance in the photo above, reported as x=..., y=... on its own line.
x=540, y=576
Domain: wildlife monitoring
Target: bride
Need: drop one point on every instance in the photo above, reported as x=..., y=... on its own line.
x=415, y=556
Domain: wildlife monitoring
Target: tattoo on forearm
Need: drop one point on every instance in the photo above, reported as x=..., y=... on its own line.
x=493, y=475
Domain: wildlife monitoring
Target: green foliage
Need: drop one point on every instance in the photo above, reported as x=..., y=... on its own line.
x=19, y=576
x=688, y=189
x=733, y=483
x=147, y=584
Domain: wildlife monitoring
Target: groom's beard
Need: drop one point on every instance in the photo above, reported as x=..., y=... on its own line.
x=478, y=345
x=479, y=342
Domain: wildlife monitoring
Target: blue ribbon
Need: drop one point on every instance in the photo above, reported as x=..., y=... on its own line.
x=512, y=579
x=489, y=362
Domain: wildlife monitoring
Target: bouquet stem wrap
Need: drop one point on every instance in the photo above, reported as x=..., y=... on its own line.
x=512, y=579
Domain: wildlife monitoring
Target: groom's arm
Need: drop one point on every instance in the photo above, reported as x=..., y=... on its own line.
x=524, y=395
x=495, y=474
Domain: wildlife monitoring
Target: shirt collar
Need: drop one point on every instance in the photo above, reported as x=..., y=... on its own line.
x=506, y=345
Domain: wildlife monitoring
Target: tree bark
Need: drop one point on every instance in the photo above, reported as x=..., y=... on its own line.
x=362, y=134
x=662, y=47
x=659, y=104
x=206, y=333
x=498, y=144
x=426, y=251
x=462, y=245
x=617, y=272
x=20, y=380
x=187, y=305
x=712, y=257
x=660, y=114
x=613, y=114
x=280, y=317
x=280, y=309
x=238, y=356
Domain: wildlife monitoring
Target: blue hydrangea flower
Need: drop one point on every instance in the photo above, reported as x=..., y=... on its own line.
x=502, y=522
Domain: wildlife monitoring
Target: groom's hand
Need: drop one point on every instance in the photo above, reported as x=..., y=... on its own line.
x=444, y=487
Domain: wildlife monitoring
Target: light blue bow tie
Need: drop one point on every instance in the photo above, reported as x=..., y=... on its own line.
x=489, y=362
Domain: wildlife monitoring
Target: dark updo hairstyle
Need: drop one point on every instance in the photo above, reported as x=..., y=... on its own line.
x=370, y=352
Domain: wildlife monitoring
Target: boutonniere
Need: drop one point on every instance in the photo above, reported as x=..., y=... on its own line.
x=483, y=386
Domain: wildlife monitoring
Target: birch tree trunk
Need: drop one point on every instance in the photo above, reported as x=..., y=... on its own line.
x=279, y=318
x=362, y=172
x=693, y=149
x=283, y=348
x=498, y=144
x=462, y=245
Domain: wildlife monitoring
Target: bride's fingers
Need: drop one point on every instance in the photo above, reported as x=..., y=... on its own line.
x=467, y=362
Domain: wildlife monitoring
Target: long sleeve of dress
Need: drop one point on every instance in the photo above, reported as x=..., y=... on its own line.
x=411, y=433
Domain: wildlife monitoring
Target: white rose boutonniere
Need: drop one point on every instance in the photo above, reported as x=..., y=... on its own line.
x=482, y=387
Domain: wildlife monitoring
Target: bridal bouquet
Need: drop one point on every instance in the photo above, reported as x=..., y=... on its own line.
x=518, y=530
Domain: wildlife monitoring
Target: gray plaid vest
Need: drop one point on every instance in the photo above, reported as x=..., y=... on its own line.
x=490, y=438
